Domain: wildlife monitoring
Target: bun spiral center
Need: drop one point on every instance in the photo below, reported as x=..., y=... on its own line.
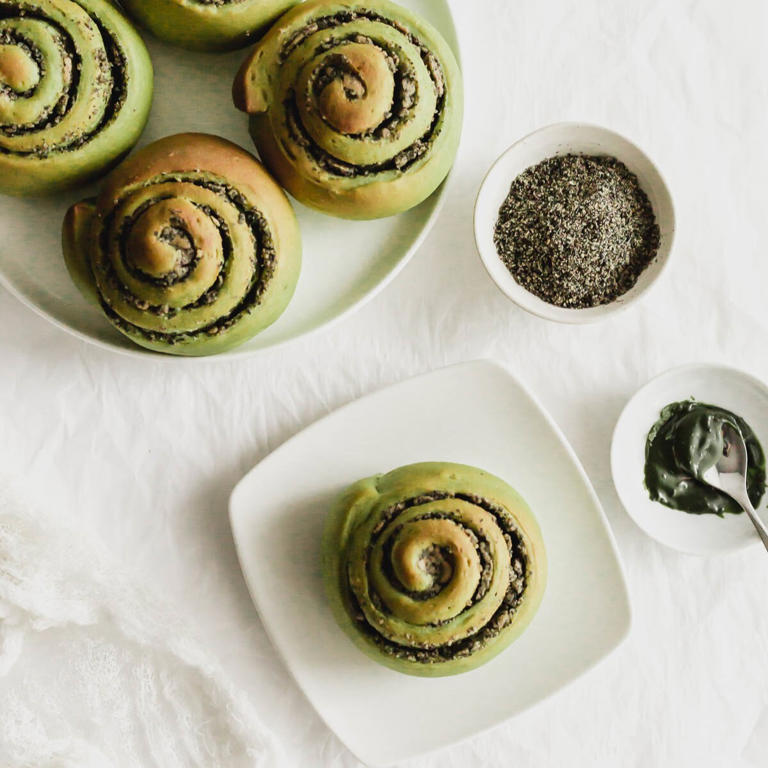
x=436, y=576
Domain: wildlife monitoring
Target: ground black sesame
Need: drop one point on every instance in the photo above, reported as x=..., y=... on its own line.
x=577, y=230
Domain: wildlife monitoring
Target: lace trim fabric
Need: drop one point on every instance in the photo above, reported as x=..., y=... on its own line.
x=96, y=672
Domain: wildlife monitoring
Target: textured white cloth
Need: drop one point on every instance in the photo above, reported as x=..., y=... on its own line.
x=147, y=453
x=94, y=671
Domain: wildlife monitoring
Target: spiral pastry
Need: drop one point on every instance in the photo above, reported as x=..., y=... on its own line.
x=356, y=107
x=75, y=92
x=207, y=25
x=190, y=249
x=434, y=568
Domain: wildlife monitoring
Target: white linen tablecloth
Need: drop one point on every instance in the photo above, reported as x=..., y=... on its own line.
x=146, y=453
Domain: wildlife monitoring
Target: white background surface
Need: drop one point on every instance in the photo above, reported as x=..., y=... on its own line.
x=148, y=452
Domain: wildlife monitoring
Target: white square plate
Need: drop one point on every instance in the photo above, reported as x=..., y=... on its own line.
x=475, y=413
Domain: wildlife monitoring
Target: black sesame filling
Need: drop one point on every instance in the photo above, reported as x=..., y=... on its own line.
x=503, y=615
x=114, y=84
x=12, y=37
x=53, y=115
x=481, y=546
x=263, y=260
x=404, y=97
x=346, y=17
x=403, y=74
x=175, y=235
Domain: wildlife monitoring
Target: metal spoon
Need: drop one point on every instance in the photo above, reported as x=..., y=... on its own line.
x=729, y=475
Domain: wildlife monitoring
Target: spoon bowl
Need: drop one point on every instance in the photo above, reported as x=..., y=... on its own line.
x=729, y=475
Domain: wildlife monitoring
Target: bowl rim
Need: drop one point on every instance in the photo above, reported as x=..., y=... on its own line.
x=551, y=312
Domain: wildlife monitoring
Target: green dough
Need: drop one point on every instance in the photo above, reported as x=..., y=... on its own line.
x=356, y=107
x=433, y=569
x=207, y=25
x=75, y=92
x=190, y=249
x=685, y=442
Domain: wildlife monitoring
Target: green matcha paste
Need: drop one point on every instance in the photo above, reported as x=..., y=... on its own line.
x=683, y=444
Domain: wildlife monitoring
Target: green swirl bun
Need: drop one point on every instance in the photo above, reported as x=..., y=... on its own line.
x=75, y=92
x=434, y=568
x=356, y=107
x=207, y=25
x=190, y=249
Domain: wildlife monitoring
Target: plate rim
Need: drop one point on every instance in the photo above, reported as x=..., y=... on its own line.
x=628, y=623
x=669, y=373
x=239, y=353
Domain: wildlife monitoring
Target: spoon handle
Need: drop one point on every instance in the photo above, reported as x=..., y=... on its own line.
x=761, y=527
x=733, y=484
x=743, y=499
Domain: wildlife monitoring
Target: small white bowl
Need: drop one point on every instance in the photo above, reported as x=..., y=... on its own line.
x=563, y=139
x=714, y=384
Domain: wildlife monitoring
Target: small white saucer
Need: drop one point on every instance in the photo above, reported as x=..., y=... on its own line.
x=715, y=384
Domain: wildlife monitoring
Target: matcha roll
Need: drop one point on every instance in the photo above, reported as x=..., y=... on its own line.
x=433, y=569
x=75, y=92
x=207, y=25
x=191, y=248
x=356, y=107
